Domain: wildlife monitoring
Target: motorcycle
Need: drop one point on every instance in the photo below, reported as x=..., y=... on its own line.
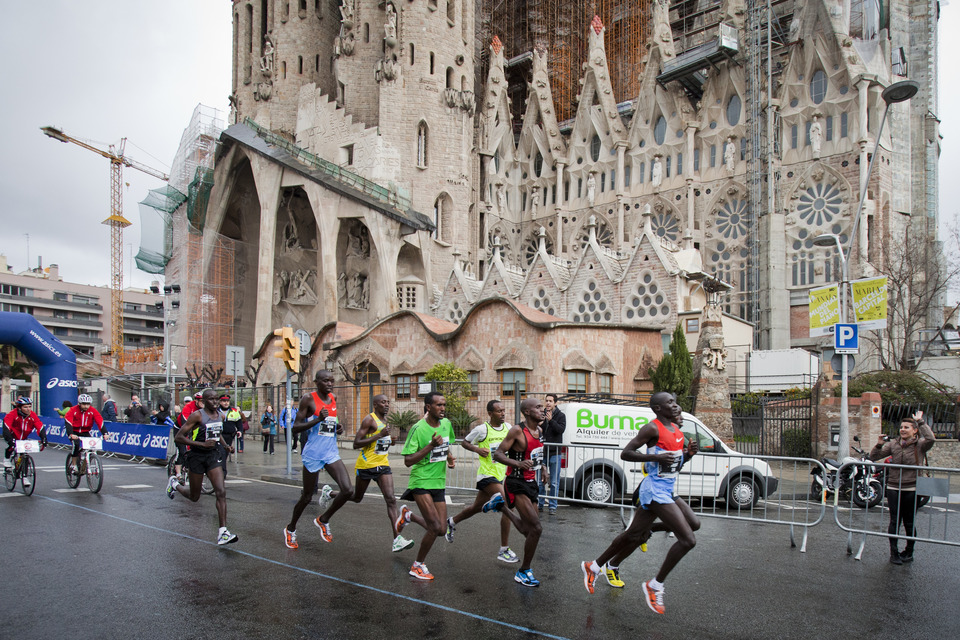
x=858, y=483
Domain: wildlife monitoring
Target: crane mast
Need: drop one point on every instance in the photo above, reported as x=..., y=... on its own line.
x=116, y=222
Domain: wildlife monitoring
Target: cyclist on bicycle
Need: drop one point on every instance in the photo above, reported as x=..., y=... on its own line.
x=78, y=421
x=18, y=424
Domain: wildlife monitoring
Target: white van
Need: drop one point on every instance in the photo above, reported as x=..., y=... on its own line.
x=591, y=468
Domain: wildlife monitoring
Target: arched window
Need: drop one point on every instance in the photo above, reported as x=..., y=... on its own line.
x=660, y=130
x=818, y=86
x=733, y=110
x=595, y=147
x=538, y=164
x=449, y=77
x=422, y=144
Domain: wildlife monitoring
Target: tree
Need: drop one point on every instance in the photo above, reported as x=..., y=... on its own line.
x=454, y=384
x=674, y=372
x=919, y=277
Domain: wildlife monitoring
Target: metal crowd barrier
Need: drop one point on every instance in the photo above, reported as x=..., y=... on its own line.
x=936, y=520
x=769, y=489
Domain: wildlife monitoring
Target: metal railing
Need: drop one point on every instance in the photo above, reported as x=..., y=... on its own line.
x=941, y=486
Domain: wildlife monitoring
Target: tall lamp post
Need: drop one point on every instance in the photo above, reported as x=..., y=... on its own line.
x=167, y=305
x=896, y=92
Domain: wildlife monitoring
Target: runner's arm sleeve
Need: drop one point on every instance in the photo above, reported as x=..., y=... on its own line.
x=477, y=434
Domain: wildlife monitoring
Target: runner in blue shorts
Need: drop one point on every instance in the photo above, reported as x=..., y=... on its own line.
x=662, y=460
x=317, y=415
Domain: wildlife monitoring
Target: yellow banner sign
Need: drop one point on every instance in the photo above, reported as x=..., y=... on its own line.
x=870, y=302
x=824, y=310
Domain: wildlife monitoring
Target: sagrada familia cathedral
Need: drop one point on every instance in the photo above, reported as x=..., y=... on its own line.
x=589, y=160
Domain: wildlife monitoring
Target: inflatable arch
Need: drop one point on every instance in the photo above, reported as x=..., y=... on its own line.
x=56, y=361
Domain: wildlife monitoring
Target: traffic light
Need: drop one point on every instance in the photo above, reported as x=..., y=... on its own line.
x=289, y=349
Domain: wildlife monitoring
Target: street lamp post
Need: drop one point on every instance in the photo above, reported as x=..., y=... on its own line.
x=166, y=306
x=897, y=92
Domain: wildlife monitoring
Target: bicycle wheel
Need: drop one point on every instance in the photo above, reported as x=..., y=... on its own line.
x=10, y=477
x=206, y=488
x=28, y=475
x=171, y=464
x=94, y=473
x=73, y=478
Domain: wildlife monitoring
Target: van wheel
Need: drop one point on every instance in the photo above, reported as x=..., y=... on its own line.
x=598, y=487
x=742, y=493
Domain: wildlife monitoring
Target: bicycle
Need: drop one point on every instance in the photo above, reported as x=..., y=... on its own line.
x=23, y=468
x=89, y=465
x=206, y=488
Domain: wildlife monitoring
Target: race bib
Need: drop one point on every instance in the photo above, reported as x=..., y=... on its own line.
x=328, y=428
x=213, y=430
x=439, y=454
x=536, y=456
x=93, y=444
x=383, y=444
x=671, y=469
x=28, y=446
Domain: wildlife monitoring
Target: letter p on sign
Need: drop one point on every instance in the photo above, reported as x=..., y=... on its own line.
x=846, y=339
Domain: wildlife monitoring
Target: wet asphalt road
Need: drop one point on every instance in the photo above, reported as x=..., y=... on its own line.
x=131, y=563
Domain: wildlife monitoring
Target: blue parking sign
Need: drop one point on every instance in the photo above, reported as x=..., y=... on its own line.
x=846, y=338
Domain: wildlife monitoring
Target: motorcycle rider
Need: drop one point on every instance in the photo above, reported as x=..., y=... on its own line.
x=909, y=448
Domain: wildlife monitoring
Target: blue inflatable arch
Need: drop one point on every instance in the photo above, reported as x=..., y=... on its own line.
x=56, y=361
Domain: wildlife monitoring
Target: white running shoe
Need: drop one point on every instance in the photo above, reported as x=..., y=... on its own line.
x=172, y=486
x=325, y=498
x=226, y=537
x=400, y=543
x=508, y=556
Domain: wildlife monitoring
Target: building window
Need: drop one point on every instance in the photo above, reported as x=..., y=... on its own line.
x=538, y=164
x=59, y=297
x=713, y=156
x=626, y=176
x=14, y=290
x=818, y=86
x=474, y=378
x=595, y=147
x=404, y=385
x=60, y=331
x=431, y=63
x=843, y=125
x=577, y=381
x=606, y=384
x=422, y=145
x=679, y=164
x=579, y=187
x=793, y=136
x=743, y=148
x=346, y=155
x=660, y=130
x=693, y=325
x=603, y=182
x=513, y=381
x=668, y=166
x=407, y=296
x=828, y=125
x=733, y=110
x=643, y=171
x=696, y=160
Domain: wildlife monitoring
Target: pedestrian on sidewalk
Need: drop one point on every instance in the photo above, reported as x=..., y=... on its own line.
x=268, y=428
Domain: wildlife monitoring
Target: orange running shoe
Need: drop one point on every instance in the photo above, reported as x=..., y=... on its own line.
x=403, y=518
x=290, y=539
x=588, y=575
x=654, y=598
x=420, y=571
x=325, y=532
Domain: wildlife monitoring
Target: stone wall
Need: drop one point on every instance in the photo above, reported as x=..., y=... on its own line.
x=864, y=420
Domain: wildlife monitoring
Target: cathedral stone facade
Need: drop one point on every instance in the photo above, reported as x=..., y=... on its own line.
x=366, y=177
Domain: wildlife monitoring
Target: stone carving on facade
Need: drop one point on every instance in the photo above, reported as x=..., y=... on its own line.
x=591, y=189
x=816, y=136
x=535, y=201
x=390, y=27
x=280, y=286
x=358, y=245
x=661, y=28
x=715, y=357
x=264, y=88
x=657, y=173
x=501, y=200
x=357, y=291
x=729, y=154
x=342, y=288
x=299, y=290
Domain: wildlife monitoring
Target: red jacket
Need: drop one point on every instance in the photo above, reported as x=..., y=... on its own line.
x=78, y=422
x=20, y=426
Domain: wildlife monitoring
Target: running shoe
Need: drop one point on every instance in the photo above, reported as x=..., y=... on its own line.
x=613, y=577
x=325, y=532
x=325, y=498
x=400, y=543
x=525, y=577
x=654, y=598
x=172, y=487
x=493, y=504
x=420, y=571
x=588, y=575
x=290, y=539
x=403, y=518
x=448, y=536
x=508, y=556
x=226, y=537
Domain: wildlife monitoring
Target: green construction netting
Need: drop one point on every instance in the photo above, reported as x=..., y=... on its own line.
x=156, y=228
x=199, y=196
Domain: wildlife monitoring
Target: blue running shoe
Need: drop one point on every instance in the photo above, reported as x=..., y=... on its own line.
x=493, y=504
x=525, y=577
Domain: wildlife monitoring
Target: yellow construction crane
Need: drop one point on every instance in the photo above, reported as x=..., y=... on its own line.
x=116, y=222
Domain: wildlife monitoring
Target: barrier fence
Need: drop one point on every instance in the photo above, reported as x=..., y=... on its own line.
x=936, y=519
x=147, y=441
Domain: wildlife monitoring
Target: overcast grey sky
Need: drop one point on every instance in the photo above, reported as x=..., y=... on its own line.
x=105, y=69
